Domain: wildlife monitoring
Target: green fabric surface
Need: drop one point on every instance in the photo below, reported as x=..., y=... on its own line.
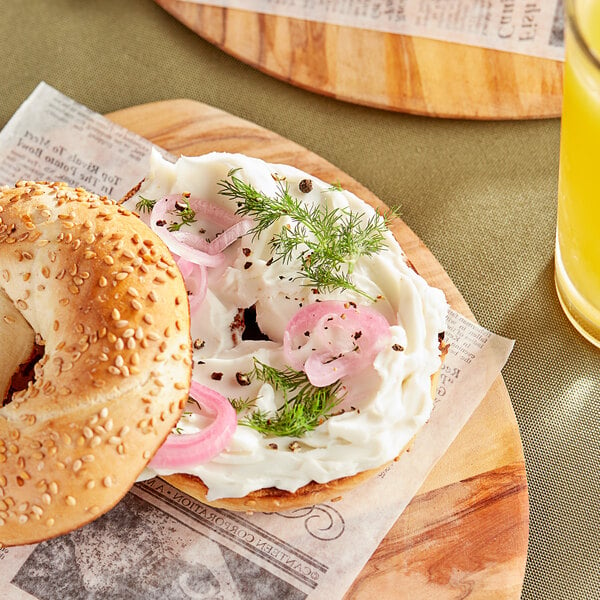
x=481, y=195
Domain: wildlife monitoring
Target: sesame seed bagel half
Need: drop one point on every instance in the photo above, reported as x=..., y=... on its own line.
x=92, y=303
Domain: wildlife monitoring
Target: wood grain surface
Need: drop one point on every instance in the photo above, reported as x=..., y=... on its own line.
x=384, y=70
x=465, y=533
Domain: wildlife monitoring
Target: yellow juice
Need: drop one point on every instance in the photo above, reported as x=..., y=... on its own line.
x=577, y=269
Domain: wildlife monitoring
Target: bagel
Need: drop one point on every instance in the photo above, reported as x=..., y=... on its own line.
x=264, y=319
x=92, y=294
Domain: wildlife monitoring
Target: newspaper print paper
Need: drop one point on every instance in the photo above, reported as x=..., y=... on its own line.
x=160, y=543
x=532, y=27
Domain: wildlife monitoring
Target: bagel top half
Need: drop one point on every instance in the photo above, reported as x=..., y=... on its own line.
x=91, y=300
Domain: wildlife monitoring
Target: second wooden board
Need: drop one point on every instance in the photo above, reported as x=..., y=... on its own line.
x=383, y=70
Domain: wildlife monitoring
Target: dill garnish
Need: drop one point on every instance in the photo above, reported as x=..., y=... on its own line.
x=185, y=212
x=242, y=404
x=304, y=405
x=326, y=241
x=145, y=204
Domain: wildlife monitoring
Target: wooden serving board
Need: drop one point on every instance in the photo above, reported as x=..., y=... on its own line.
x=384, y=70
x=465, y=533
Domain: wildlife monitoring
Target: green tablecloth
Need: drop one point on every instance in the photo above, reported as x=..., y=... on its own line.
x=481, y=195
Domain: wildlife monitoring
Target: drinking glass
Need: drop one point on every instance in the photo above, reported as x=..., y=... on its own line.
x=577, y=255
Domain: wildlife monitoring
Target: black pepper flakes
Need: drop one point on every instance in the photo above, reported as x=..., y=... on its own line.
x=305, y=186
x=216, y=376
x=273, y=446
x=161, y=223
x=247, y=265
x=397, y=348
x=246, y=251
x=199, y=344
x=242, y=378
x=294, y=446
x=180, y=206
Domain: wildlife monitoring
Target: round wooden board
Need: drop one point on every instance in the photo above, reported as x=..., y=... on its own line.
x=383, y=70
x=465, y=533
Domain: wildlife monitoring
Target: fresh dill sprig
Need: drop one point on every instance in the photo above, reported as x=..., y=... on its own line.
x=327, y=241
x=242, y=404
x=304, y=405
x=336, y=186
x=185, y=212
x=145, y=204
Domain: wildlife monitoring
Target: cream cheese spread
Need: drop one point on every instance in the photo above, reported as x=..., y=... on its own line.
x=386, y=403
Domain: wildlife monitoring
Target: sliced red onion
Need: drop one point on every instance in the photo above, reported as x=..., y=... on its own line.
x=189, y=449
x=196, y=282
x=329, y=340
x=193, y=247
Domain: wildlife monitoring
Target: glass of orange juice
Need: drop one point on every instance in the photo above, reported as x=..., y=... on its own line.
x=577, y=256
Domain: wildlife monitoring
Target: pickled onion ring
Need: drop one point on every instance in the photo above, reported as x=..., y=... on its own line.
x=192, y=246
x=329, y=340
x=196, y=282
x=187, y=449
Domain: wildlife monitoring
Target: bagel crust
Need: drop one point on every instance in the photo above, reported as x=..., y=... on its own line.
x=87, y=281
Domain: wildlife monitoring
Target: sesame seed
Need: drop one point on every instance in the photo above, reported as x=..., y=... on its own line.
x=107, y=481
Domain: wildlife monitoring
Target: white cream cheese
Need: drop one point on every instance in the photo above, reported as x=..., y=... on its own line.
x=387, y=402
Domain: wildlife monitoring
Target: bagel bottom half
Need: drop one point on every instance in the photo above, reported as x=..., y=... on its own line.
x=273, y=499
